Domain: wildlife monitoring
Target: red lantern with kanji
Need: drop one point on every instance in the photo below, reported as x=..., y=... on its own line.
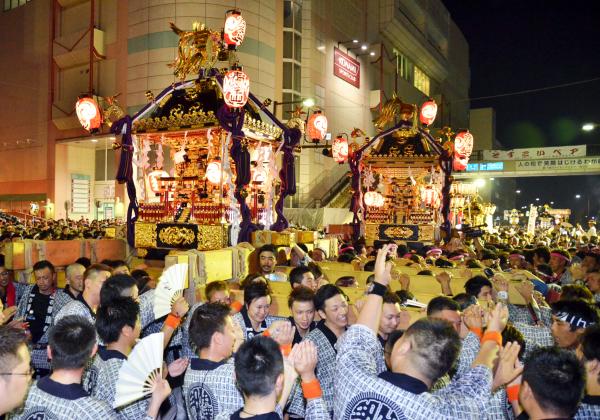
x=236, y=88
x=235, y=29
x=339, y=149
x=316, y=128
x=428, y=112
x=89, y=114
x=463, y=147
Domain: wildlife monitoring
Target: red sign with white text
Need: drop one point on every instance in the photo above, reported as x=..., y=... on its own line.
x=346, y=67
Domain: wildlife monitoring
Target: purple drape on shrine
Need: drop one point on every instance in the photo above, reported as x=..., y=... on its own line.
x=287, y=175
x=125, y=172
x=233, y=121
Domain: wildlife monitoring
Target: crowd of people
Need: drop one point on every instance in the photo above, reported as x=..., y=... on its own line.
x=471, y=354
x=13, y=228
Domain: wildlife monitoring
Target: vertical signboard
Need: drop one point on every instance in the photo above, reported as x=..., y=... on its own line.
x=346, y=68
x=80, y=193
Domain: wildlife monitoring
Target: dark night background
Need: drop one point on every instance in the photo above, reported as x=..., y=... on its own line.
x=517, y=45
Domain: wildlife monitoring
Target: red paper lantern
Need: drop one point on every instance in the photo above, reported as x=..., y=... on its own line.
x=235, y=29
x=339, y=149
x=428, y=112
x=236, y=88
x=316, y=128
x=213, y=172
x=463, y=147
x=89, y=114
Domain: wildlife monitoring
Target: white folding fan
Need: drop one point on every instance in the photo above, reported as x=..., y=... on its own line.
x=171, y=285
x=140, y=369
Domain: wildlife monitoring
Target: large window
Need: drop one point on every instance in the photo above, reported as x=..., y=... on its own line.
x=13, y=4
x=422, y=81
x=292, y=55
x=404, y=67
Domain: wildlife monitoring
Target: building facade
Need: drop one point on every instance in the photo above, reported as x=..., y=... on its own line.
x=348, y=56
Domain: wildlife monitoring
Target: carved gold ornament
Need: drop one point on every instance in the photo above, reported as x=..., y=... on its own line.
x=145, y=235
x=175, y=235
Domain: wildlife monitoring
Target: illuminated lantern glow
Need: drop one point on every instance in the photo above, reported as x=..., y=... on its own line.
x=236, y=88
x=430, y=197
x=259, y=175
x=235, y=29
x=213, y=172
x=428, y=112
x=339, y=149
x=154, y=177
x=89, y=114
x=463, y=147
x=374, y=199
x=316, y=128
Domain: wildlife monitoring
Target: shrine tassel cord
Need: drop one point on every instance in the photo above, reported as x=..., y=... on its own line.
x=125, y=172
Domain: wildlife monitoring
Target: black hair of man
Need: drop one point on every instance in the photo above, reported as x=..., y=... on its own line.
x=326, y=292
x=543, y=253
x=556, y=379
x=303, y=247
x=258, y=364
x=370, y=279
x=141, y=280
x=487, y=254
x=266, y=248
x=391, y=297
x=206, y=321
x=42, y=264
x=315, y=269
x=576, y=291
x=404, y=295
x=472, y=263
x=85, y=261
x=255, y=291
x=464, y=300
x=425, y=273
x=2, y=260
x=95, y=269
x=590, y=345
x=392, y=338
x=435, y=346
x=369, y=266
x=71, y=341
x=443, y=263
x=346, y=257
x=512, y=334
x=214, y=287
x=301, y=294
x=474, y=285
x=116, y=263
x=441, y=303
x=11, y=339
x=577, y=308
x=252, y=278
x=544, y=269
x=112, y=317
x=297, y=274
x=114, y=287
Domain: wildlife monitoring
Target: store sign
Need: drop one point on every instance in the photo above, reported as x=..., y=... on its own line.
x=559, y=164
x=346, y=68
x=486, y=166
x=536, y=153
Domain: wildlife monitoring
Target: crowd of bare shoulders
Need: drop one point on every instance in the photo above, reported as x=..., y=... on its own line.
x=519, y=340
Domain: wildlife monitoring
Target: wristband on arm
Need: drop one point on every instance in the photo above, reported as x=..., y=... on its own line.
x=377, y=289
x=512, y=392
x=494, y=336
x=172, y=321
x=311, y=389
x=477, y=331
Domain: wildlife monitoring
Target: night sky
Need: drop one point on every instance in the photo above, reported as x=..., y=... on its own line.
x=518, y=45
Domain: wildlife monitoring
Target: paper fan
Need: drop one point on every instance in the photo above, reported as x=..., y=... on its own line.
x=171, y=285
x=139, y=370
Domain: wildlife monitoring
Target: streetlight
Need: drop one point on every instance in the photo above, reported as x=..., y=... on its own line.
x=552, y=203
x=479, y=182
x=577, y=195
x=537, y=199
x=518, y=191
x=307, y=102
x=588, y=126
